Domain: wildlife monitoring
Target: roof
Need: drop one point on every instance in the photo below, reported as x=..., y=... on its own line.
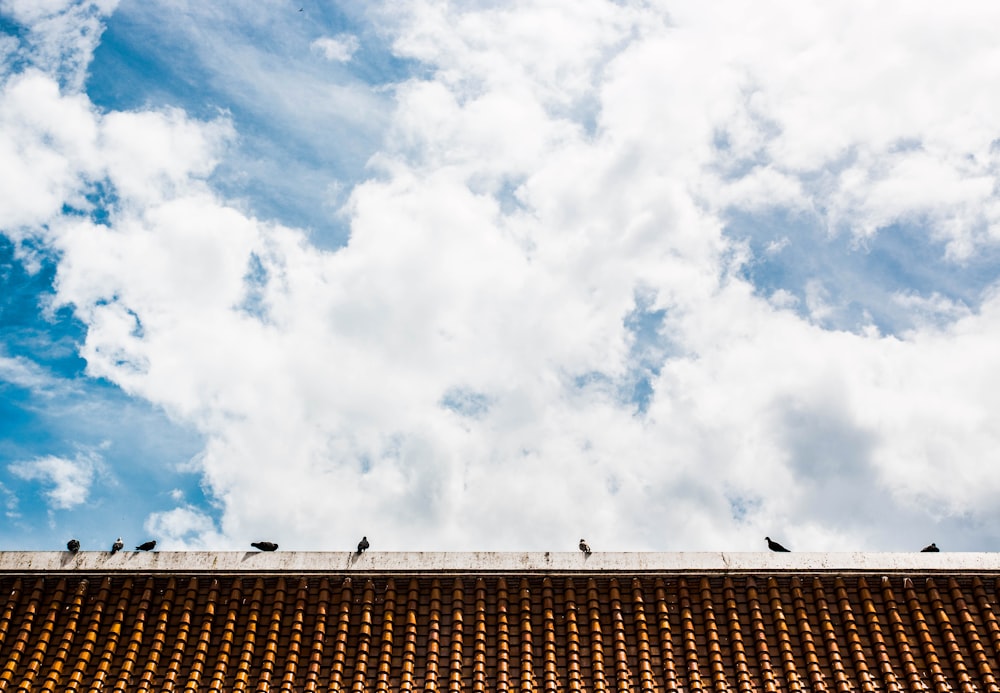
x=498, y=622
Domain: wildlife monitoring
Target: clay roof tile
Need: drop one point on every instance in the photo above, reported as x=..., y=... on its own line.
x=767, y=629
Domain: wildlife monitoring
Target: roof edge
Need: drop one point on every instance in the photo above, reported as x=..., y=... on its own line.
x=485, y=562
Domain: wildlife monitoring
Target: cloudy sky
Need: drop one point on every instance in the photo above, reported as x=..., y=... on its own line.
x=465, y=275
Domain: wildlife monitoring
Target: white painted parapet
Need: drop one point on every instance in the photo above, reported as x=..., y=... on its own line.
x=491, y=563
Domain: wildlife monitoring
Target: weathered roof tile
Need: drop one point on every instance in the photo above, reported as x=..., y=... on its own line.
x=774, y=632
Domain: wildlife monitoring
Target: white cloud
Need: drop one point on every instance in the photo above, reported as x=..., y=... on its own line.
x=316, y=121
x=69, y=480
x=30, y=11
x=337, y=48
x=10, y=503
x=23, y=373
x=147, y=155
x=932, y=310
x=530, y=188
x=184, y=526
x=819, y=108
x=48, y=142
x=60, y=35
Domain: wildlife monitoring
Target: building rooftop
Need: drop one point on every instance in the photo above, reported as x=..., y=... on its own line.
x=656, y=622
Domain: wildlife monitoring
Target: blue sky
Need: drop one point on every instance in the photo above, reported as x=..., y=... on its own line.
x=496, y=276
x=290, y=152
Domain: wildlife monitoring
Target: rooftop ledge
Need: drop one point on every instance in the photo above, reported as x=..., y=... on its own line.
x=490, y=563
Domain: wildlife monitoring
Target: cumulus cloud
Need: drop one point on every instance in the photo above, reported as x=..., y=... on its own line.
x=184, y=526
x=337, y=48
x=68, y=480
x=60, y=36
x=462, y=374
x=49, y=141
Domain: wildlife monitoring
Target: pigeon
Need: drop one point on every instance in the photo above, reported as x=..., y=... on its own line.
x=775, y=546
x=931, y=548
x=363, y=544
x=264, y=545
x=146, y=546
x=117, y=546
x=584, y=547
x=72, y=546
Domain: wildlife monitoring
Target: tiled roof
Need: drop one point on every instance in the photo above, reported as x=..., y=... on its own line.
x=920, y=624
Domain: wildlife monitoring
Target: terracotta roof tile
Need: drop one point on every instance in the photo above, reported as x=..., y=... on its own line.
x=550, y=646
x=320, y=610
x=779, y=633
x=970, y=630
x=201, y=650
x=734, y=625
x=902, y=641
x=643, y=649
x=759, y=630
x=986, y=615
x=44, y=638
x=572, y=636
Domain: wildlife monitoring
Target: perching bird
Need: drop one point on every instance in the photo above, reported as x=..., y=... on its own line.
x=72, y=546
x=932, y=548
x=146, y=546
x=363, y=544
x=584, y=547
x=775, y=546
x=264, y=545
x=117, y=546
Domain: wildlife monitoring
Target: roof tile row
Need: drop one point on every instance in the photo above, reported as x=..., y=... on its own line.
x=779, y=634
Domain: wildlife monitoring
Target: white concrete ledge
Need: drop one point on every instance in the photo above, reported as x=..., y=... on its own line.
x=490, y=563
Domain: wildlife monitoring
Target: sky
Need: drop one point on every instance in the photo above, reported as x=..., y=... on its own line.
x=666, y=275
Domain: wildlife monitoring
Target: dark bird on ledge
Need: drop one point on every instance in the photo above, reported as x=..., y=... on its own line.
x=117, y=546
x=363, y=544
x=775, y=546
x=264, y=545
x=72, y=546
x=932, y=548
x=146, y=546
x=584, y=547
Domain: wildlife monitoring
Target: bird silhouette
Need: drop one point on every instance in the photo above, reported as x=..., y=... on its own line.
x=117, y=546
x=775, y=546
x=930, y=548
x=264, y=545
x=584, y=547
x=363, y=544
x=146, y=546
x=72, y=546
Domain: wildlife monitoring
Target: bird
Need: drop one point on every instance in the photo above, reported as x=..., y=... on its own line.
x=584, y=547
x=775, y=546
x=363, y=544
x=264, y=545
x=117, y=546
x=930, y=548
x=146, y=546
x=72, y=545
